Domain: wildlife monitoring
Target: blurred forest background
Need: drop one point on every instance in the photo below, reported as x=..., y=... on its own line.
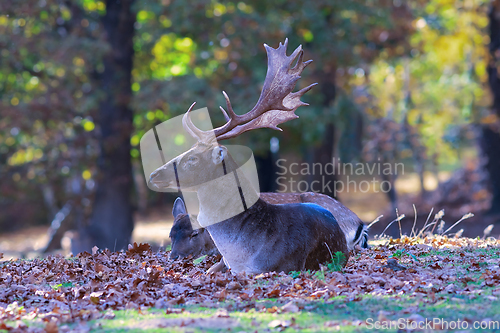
x=81, y=81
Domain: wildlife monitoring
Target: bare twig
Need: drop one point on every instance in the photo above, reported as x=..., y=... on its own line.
x=399, y=223
x=487, y=231
x=398, y=219
x=437, y=217
x=465, y=217
x=441, y=227
x=426, y=221
x=414, y=221
x=428, y=226
x=375, y=221
x=331, y=255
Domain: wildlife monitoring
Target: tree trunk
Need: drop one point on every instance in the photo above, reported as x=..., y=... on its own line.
x=324, y=153
x=266, y=169
x=111, y=223
x=490, y=146
x=490, y=141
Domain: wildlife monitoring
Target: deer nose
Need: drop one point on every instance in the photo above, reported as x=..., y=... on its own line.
x=160, y=178
x=153, y=175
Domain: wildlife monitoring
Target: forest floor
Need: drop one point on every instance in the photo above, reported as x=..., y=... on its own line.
x=394, y=286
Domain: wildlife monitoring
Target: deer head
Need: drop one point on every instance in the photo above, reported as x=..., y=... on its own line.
x=207, y=160
x=187, y=241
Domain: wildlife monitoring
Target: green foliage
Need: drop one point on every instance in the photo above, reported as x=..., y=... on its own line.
x=401, y=252
x=62, y=285
x=52, y=62
x=199, y=260
x=398, y=254
x=440, y=86
x=320, y=275
x=225, y=56
x=338, y=262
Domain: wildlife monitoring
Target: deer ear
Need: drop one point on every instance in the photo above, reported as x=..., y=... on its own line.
x=219, y=153
x=179, y=207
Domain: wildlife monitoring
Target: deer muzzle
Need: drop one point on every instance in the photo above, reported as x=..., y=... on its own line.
x=162, y=177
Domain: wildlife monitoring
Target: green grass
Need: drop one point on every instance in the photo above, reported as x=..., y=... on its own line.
x=339, y=311
x=492, y=253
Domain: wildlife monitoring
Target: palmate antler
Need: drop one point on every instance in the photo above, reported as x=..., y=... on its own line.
x=277, y=103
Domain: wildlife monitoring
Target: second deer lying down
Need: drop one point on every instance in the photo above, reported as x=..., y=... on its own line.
x=187, y=241
x=263, y=237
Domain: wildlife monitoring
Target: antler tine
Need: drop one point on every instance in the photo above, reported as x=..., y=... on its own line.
x=297, y=95
x=285, y=44
x=188, y=124
x=299, y=66
x=299, y=60
x=194, y=131
x=297, y=52
x=232, y=119
x=224, y=113
x=232, y=115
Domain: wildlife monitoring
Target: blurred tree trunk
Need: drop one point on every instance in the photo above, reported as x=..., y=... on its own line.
x=325, y=152
x=111, y=223
x=266, y=169
x=490, y=141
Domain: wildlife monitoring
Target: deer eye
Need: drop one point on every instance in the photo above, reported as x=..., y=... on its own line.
x=190, y=162
x=194, y=234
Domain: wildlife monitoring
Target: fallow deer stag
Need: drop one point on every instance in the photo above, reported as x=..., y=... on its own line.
x=188, y=241
x=263, y=237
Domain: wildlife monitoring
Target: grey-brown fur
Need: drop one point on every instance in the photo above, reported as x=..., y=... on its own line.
x=186, y=241
x=288, y=237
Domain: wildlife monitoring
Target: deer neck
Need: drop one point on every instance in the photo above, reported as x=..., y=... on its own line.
x=220, y=199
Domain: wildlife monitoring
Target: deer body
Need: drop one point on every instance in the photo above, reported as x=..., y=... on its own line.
x=268, y=237
x=196, y=242
x=287, y=237
x=261, y=236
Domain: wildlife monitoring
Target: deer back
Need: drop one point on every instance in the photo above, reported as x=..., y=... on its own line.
x=283, y=237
